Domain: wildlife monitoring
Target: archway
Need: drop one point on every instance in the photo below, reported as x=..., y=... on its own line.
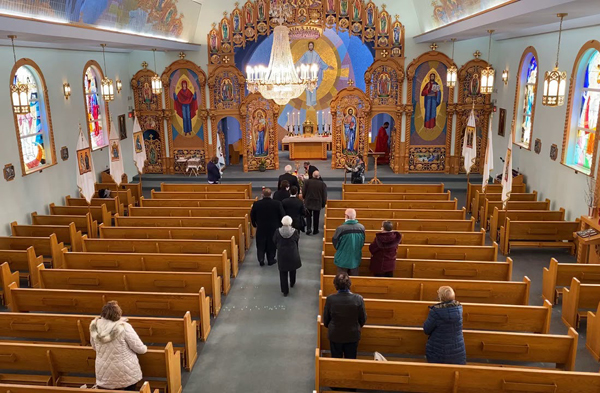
x=229, y=133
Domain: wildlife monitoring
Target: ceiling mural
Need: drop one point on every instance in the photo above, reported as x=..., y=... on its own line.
x=438, y=13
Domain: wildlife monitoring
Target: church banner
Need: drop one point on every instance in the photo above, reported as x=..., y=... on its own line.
x=86, y=176
x=115, y=157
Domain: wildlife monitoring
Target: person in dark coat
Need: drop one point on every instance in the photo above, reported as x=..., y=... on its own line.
x=310, y=169
x=266, y=216
x=294, y=208
x=444, y=326
x=283, y=192
x=344, y=316
x=289, y=176
x=384, y=250
x=315, y=199
x=213, y=171
x=288, y=255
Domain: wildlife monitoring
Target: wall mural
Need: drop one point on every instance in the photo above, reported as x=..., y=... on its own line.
x=438, y=13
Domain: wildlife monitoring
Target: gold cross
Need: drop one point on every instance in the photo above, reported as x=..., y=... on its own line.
x=433, y=46
x=224, y=13
x=214, y=25
x=226, y=59
x=383, y=6
x=350, y=82
x=384, y=53
x=477, y=54
x=236, y=4
x=144, y=65
x=397, y=16
x=181, y=55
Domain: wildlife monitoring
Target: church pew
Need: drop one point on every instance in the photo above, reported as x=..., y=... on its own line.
x=476, y=316
x=48, y=246
x=125, y=281
x=409, y=224
x=395, y=201
x=195, y=187
x=578, y=296
x=197, y=202
x=12, y=388
x=387, y=188
x=199, y=195
x=135, y=188
x=436, y=269
x=386, y=214
x=22, y=261
x=66, y=234
x=480, y=197
x=187, y=222
x=83, y=223
x=7, y=278
x=421, y=251
x=470, y=291
x=592, y=342
x=396, y=343
x=541, y=234
x=423, y=196
x=492, y=189
x=488, y=208
x=498, y=218
x=113, y=205
x=68, y=365
x=70, y=329
x=125, y=196
x=363, y=375
x=559, y=275
x=98, y=213
x=150, y=262
x=166, y=246
x=144, y=304
x=427, y=237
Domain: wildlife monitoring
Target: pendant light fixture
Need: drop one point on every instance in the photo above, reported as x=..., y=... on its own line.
x=555, y=81
x=107, y=87
x=19, y=92
x=157, y=86
x=452, y=73
x=487, y=75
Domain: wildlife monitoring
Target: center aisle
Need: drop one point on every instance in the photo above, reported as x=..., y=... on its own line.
x=262, y=341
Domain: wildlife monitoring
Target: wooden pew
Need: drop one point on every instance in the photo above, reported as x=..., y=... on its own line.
x=480, y=197
x=436, y=269
x=409, y=224
x=166, y=246
x=541, y=234
x=145, y=304
x=388, y=188
x=351, y=197
x=559, y=275
x=12, y=388
x=403, y=342
x=386, y=214
x=196, y=187
x=499, y=217
x=135, y=188
x=491, y=189
x=83, y=223
x=592, y=342
x=187, y=222
x=48, y=247
x=421, y=251
x=125, y=196
x=489, y=206
x=124, y=281
x=113, y=205
x=71, y=329
x=199, y=195
x=398, y=201
x=470, y=291
x=8, y=278
x=197, y=202
x=150, y=262
x=476, y=316
x=437, y=378
x=68, y=365
x=578, y=296
x=66, y=234
x=98, y=213
x=427, y=237
x=21, y=261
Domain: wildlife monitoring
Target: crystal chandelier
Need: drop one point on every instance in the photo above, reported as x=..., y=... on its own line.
x=487, y=75
x=106, y=85
x=452, y=71
x=157, y=86
x=19, y=91
x=281, y=81
x=555, y=81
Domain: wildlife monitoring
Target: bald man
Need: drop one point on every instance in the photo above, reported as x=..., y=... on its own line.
x=348, y=241
x=315, y=198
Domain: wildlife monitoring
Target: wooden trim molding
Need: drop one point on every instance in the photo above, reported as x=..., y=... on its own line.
x=530, y=50
x=94, y=64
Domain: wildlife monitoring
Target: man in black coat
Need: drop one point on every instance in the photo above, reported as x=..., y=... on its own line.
x=213, y=172
x=310, y=169
x=289, y=176
x=295, y=209
x=315, y=198
x=266, y=216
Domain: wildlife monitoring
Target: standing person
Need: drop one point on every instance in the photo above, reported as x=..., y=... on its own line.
x=444, y=326
x=384, y=251
x=309, y=169
x=344, y=316
x=315, y=198
x=294, y=208
x=117, y=346
x=357, y=171
x=381, y=143
x=289, y=176
x=348, y=241
x=266, y=216
x=288, y=255
x=283, y=192
x=213, y=171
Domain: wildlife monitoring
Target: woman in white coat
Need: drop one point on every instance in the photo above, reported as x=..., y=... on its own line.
x=117, y=346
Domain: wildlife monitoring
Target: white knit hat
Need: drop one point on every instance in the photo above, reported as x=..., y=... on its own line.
x=287, y=221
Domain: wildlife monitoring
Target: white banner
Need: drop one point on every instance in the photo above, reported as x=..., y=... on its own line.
x=489, y=157
x=507, y=177
x=86, y=176
x=139, y=148
x=469, y=150
x=115, y=157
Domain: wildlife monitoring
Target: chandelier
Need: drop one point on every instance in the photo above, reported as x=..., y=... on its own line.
x=106, y=85
x=555, y=81
x=157, y=86
x=19, y=91
x=281, y=81
x=452, y=71
x=487, y=75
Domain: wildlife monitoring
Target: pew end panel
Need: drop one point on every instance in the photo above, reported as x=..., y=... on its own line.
x=8, y=278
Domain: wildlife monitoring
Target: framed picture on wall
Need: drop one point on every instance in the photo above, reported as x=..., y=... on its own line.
x=553, y=152
x=64, y=153
x=84, y=160
x=122, y=127
x=502, y=122
x=9, y=172
x=538, y=146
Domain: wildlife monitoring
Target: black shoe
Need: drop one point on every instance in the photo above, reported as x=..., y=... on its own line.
x=261, y=263
x=316, y=232
x=309, y=233
x=292, y=285
x=285, y=295
x=274, y=261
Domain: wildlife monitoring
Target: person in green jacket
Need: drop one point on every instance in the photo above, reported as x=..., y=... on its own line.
x=348, y=241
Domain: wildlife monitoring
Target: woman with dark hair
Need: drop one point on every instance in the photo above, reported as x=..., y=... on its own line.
x=117, y=346
x=283, y=192
x=213, y=171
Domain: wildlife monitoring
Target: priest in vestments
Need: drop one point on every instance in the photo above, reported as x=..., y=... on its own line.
x=381, y=143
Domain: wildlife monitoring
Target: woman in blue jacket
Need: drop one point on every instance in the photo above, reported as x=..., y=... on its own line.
x=444, y=327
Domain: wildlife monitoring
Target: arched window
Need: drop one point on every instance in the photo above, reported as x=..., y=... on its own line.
x=95, y=108
x=579, y=144
x=34, y=129
x=525, y=98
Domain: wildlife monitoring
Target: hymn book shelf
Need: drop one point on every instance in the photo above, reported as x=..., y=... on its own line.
x=588, y=248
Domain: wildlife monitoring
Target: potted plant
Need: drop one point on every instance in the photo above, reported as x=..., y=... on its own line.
x=262, y=165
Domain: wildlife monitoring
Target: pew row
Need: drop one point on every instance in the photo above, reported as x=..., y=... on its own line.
x=12, y=388
x=409, y=224
x=48, y=247
x=199, y=195
x=488, y=208
x=427, y=237
x=386, y=214
x=559, y=275
x=480, y=197
x=135, y=188
x=592, y=342
x=125, y=196
x=22, y=261
x=98, y=213
x=217, y=203
x=195, y=187
x=66, y=234
x=113, y=205
x=541, y=234
x=422, y=196
x=83, y=223
x=499, y=217
x=578, y=296
x=492, y=189
x=388, y=188
x=399, y=201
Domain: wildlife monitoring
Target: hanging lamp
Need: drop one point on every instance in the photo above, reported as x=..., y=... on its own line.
x=157, y=86
x=555, y=81
x=19, y=92
x=487, y=75
x=107, y=87
x=452, y=73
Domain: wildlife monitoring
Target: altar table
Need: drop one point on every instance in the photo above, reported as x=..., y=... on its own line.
x=307, y=148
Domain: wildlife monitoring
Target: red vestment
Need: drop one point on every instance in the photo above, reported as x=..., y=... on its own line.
x=381, y=145
x=186, y=97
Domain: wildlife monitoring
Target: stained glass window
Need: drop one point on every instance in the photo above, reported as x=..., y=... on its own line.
x=34, y=132
x=94, y=106
x=526, y=91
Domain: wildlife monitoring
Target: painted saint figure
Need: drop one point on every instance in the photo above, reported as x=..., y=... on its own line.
x=225, y=29
x=259, y=129
x=261, y=10
x=138, y=144
x=147, y=93
x=384, y=24
x=350, y=130
x=227, y=90
x=213, y=41
x=433, y=99
x=384, y=85
x=236, y=22
x=115, y=151
x=308, y=58
x=330, y=6
x=344, y=7
x=357, y=9
x=397, y=34
x=186, y=106
x=370, y=15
